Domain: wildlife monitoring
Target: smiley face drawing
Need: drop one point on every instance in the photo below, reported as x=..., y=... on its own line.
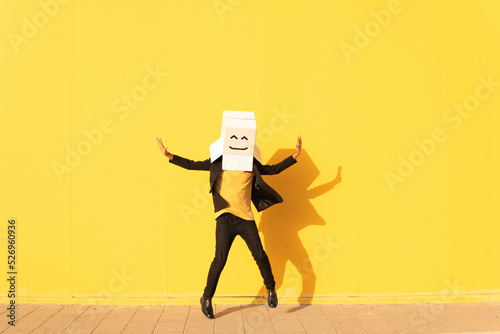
x=237, y=141
x=238, y=148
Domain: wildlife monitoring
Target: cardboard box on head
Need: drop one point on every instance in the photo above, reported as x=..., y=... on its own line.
x=237, y=141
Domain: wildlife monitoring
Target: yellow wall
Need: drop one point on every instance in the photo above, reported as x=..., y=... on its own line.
x=373, y=86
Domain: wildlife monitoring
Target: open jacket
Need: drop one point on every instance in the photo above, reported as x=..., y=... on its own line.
x=263, y=196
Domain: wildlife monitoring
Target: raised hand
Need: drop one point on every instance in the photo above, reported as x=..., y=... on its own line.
x=298, y=147
x=163, y=149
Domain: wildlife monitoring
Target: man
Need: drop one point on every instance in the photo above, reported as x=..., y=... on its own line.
x=232, y=190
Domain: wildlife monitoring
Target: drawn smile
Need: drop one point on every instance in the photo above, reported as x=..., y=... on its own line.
x=238, y=148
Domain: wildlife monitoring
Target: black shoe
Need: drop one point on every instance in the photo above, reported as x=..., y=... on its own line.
x=272, y=298
x=206, y=307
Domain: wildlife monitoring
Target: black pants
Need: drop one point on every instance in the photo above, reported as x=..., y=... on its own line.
x=228, y=227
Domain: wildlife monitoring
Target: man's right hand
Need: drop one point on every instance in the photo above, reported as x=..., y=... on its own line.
x=163, y=149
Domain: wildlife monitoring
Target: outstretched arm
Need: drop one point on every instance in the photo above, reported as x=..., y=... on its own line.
x=279, y=167
x=183, y=162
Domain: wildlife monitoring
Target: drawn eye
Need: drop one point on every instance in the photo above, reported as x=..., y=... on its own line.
x=244, y=137
x=233, y=136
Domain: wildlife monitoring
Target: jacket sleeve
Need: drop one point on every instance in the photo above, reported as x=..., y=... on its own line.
x=190, y=164
x=277, y=168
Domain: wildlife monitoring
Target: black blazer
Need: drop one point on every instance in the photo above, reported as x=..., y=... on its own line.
x=263, y=196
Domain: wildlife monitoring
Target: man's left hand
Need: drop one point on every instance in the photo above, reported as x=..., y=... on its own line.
x=298, y=147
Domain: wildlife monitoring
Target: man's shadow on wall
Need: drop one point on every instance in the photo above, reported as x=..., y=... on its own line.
x=281, y=223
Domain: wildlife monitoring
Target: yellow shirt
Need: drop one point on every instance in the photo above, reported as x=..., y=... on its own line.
x=236, y=188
